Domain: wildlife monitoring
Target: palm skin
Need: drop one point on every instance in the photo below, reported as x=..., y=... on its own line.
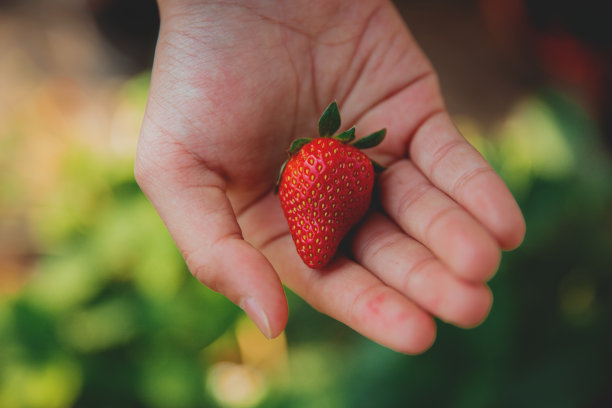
x=234, y=84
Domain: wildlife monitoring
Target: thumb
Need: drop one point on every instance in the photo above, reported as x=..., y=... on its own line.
x=192, y=202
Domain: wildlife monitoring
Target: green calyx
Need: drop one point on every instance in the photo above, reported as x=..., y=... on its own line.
x=297, y=144
x=371, y=140
x=346, y=137
x=329, y=123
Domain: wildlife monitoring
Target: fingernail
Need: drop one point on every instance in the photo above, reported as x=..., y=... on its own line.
x=257, y=315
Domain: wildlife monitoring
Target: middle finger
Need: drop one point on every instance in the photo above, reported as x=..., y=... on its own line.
x=438, y=222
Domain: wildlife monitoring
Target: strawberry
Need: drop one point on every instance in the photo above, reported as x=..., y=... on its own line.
x=325, y=187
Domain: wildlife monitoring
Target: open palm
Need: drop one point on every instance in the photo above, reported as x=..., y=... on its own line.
x=233, y=84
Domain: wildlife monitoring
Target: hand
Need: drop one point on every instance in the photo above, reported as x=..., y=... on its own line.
x=234, y=83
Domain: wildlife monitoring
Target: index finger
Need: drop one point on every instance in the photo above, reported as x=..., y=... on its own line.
x=456, y=168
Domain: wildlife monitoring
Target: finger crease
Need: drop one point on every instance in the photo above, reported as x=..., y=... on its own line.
x=380, y=242
x=396, y=91
x=444, y=151
x=270, y=240
x=240, y=211
x=411, y=197
x=417, y=270
x=467, y=177
x=426, y=119
x=436, y=218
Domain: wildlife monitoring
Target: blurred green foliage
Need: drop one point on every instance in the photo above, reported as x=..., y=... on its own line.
x=111, y=317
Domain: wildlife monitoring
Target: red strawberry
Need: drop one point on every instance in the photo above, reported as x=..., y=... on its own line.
x=325, y=188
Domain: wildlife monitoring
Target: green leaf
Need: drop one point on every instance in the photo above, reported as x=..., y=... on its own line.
x=347, y=136
x=378, y=168
x=297, y=144
x=330, y=120
x=371, y=140
x=280, y=176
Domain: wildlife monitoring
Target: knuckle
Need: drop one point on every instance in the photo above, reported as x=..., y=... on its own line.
x=380, y=245
x=446, y=149
x=440, y=216
x=466, y=179
x=201, y=270
x=411, y=196
x=417, y=274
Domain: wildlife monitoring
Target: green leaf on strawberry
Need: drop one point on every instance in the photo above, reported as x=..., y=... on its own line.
x=297, y=144
x=330, y=120
x=371, y=140
x=378, y=168
x=347, y=136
